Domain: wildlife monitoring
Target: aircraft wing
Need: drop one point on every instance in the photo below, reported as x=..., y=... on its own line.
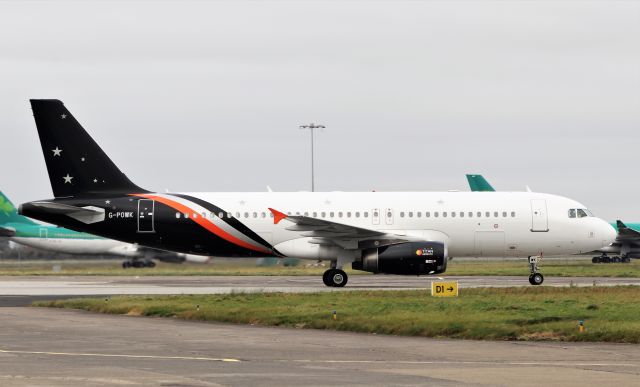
x=7, y=232
x=328, y=232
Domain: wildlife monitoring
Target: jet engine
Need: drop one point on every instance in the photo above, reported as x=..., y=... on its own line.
x=410, y=258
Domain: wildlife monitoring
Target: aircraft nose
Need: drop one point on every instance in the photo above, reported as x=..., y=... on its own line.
x=608, y=233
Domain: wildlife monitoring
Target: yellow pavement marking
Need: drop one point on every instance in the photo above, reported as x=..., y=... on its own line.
x=120, y=355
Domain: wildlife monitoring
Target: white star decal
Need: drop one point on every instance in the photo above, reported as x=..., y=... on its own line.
x=63, y=116
x=67, y=179
x=82, y=159
x=107, y=202
x=95, y=180
x=56, y=152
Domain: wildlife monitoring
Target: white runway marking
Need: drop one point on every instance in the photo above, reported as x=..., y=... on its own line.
x=480, y=362
x=226, y=360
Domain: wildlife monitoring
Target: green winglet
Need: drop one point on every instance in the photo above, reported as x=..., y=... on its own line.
x=477, y=183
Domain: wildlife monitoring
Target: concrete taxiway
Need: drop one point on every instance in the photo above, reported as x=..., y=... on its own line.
x=98, y=285
x=50, y=347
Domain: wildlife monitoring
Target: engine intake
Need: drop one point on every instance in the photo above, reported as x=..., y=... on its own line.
x=411, y=258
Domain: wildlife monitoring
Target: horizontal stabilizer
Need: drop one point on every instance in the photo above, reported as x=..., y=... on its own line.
x=87, y=215
x=7, y=232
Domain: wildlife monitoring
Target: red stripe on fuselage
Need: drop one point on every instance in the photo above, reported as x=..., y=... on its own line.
x=203, y=222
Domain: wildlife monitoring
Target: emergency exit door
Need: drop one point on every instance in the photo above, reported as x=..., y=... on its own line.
x=539, y=218
x=146, y=209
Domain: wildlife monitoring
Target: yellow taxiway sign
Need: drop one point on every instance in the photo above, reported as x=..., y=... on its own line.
x=444, y=289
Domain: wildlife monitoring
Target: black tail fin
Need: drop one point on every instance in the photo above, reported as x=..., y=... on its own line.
x=75, y=163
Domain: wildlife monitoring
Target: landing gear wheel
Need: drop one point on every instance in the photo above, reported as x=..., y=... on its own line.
x=335, y=278
x=536, y=279
x=626, y=260
x=151, y=264
x=595, y=260
x=126, y=264
x=616, y=259
x=325, y=278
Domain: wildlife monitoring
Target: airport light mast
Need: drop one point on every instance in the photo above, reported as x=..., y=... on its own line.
x=311, y=127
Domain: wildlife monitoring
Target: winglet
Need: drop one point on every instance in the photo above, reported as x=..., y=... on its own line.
x=277, y=215
x=620, y=225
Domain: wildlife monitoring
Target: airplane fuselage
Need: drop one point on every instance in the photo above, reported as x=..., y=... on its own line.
x=471, y=224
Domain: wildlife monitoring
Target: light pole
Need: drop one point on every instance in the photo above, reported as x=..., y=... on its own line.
x=311, y=127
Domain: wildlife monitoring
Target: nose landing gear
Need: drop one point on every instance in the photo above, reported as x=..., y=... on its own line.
x=535, y=278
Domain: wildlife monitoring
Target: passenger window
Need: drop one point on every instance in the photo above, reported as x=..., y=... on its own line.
x=581, y=213
x=495, y=214
x=331, y=214
x=324, y=214
x=401, y=214
x=479, y=214
x=340, y=214
x=513, y=214
x=419, y=214
x=462, y=214
x=453, y=214
x=204, y=215
x=365, y=214
x=229, y=215
x=572, y=213
x=271, y=214
x=221, y=215
x=410, y=214
x=306, y=214
x=264, y=215
x=177, y=215
x=504, y=214
x=427, y=214
x=194, y=215
x=255, y=214
x=246, y=214
x=348, y=214
x=435, y=214
x=470, y=214
x=315, y=214
x=357, y=214
x=238, y=215
x=444, y=214
x=487, y=214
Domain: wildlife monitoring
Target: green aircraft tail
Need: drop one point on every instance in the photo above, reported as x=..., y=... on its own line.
x=477, y=183
x=9, y=213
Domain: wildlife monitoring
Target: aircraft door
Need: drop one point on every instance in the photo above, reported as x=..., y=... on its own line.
x=388, y=216
x=375, y=216
x=43, y=233
x=539, y=219
x=146, y=209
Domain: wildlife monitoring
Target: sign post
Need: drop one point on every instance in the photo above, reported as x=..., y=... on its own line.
x=444, y=289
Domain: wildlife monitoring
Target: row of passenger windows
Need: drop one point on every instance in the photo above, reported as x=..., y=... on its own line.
x=356, y=214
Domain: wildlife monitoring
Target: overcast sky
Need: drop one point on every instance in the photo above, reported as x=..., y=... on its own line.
x=208, y=96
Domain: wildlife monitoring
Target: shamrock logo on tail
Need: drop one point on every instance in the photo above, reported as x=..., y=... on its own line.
x=6, y=206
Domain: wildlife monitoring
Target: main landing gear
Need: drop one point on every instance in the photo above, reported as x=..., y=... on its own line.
x=535, y=278
x=604, y=258
x=138, y=263
x=335, y=278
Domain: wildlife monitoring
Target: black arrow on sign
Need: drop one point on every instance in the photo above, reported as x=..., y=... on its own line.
x=450, y=288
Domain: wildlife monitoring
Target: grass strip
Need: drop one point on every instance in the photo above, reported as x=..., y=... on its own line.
x=579, y=268
x=610, y=314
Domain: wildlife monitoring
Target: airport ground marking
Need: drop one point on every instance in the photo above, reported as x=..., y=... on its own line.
x=81, y=354
x=444, y=288
x=469, y=362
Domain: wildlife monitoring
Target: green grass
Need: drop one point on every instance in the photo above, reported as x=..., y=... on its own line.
x=577, y=267
x=533, y=313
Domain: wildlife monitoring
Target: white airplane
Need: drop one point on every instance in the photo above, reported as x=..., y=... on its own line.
x=407, y=233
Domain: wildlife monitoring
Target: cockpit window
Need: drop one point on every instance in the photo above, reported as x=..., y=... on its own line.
x=582, y=213
x=572, y=213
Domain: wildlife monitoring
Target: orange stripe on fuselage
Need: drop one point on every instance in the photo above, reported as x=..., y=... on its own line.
x=203, y=222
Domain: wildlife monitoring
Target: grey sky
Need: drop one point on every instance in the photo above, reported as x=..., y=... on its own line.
x=207, y=96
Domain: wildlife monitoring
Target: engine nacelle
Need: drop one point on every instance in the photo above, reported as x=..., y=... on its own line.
x=411, y=258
